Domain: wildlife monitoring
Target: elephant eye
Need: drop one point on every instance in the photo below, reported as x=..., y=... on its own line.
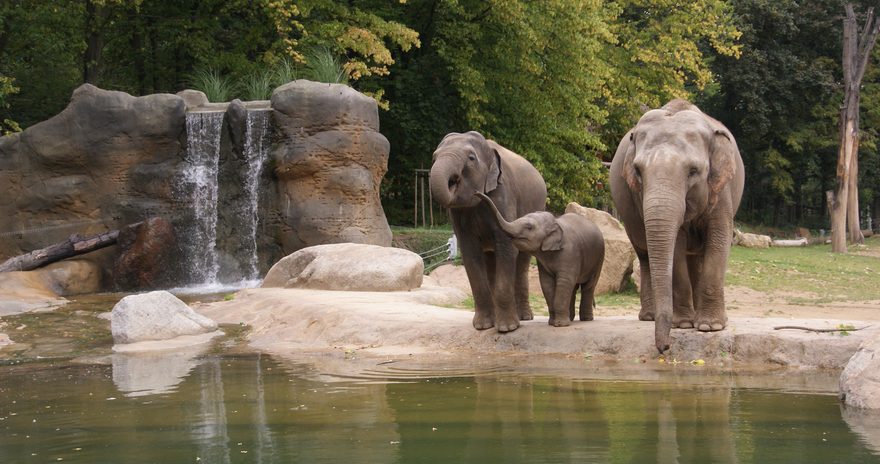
x=693, y=172
x=472, y=157
x=638, y=173
x=529, y=226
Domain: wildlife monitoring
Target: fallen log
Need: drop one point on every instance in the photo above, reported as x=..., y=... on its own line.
x=790, y=243
x=73, y=246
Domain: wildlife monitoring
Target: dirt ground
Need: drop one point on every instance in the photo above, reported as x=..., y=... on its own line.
x=741, y=301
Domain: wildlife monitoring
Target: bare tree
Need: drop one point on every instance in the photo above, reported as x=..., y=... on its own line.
x=856, y=51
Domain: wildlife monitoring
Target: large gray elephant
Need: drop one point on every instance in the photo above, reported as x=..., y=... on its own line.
x=677, y=180
x=569, y=250
x=465, y=164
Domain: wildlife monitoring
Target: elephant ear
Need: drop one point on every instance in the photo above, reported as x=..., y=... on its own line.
x=722, y=164
x=553, y=240
x=629, y=170
x=493, y=178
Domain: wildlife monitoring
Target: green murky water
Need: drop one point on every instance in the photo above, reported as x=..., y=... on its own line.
x=65, y=397
x=194, y=407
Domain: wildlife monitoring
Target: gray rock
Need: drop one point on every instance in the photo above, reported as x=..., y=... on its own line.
x=751, y=240
x=193, y=98
x=860, y=379
x=619, y=253
x=348, y=266
x=156, y=315
x=330, y=162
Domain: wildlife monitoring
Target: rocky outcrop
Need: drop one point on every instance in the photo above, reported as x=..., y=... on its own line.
x=619, y=253
x=860, y=380
x=156, y=315
x=329, y=163
x=109, y=159
x=348, y=266
x=235, y=204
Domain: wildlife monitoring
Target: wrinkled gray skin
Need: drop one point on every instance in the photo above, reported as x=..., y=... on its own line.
x=677, y=180
x=466, y=164
x=569, y=250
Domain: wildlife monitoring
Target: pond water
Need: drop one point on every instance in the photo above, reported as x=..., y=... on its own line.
x=215, y=408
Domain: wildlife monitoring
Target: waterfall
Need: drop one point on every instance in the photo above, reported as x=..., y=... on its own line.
x=199, y=180
x=256, y=150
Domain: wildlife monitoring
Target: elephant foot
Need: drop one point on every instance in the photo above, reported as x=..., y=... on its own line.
x=710, y=327
x=684, y=324
x=646, y=316
x=509, y=327
x=586, y=317
x=526, y=316
x=483, y=322
x=559, y=321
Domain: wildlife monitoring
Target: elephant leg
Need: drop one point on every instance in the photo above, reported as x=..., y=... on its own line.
x=548, y=286
x=646, y=294
x=572, y=300
x=588, y=298
x=475, y=267
x=521, y=287
x=682, y=293
x=562, y=302
x=710, y=313
x=695, y=269
x=503, y=275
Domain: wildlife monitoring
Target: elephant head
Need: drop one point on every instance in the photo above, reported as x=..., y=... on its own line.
x=538, y=231
x=463, y=165
x=677, y=164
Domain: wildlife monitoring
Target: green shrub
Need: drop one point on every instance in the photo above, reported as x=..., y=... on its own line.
x=217, y=87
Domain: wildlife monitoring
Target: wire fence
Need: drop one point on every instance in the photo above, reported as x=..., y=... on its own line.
x=437, y=256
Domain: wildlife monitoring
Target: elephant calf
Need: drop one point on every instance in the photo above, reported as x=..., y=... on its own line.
x=569, y=249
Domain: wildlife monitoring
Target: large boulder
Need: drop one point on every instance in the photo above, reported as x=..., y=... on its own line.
x=348, y=266
x=747, y=240
x=860, y=379
x=619, y=253
x=155, y=315
x=42, y=289
x=146, y=253
x=330, y=162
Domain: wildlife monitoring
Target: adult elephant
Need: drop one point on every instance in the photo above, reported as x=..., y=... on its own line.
x=465, y=164
x=677, y=179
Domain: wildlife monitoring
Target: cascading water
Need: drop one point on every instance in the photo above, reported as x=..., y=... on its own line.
x=199, y=180
x=256, y=150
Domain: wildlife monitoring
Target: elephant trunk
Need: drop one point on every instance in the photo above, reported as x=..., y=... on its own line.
x=443, y=180
x=662, y=222
x=506, y=226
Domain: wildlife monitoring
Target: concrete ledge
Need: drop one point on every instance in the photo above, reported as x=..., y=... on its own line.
x=407, y=323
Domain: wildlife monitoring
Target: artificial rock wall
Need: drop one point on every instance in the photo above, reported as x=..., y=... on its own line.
x=111, y=159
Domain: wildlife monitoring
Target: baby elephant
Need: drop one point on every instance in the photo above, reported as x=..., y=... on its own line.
x=569, y=249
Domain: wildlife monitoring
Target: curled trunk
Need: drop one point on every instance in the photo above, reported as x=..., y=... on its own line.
x=441, y=173
x=506, y=226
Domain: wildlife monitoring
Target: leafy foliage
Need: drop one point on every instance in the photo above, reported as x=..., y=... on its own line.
x=558, y=81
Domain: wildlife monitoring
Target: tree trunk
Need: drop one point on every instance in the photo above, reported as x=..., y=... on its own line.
x=852, y=203
x=73, y=246
x=94, y=42
x=856, y=52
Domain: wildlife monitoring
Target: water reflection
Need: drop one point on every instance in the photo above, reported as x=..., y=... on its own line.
x=253, y=409
x=154, y=372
